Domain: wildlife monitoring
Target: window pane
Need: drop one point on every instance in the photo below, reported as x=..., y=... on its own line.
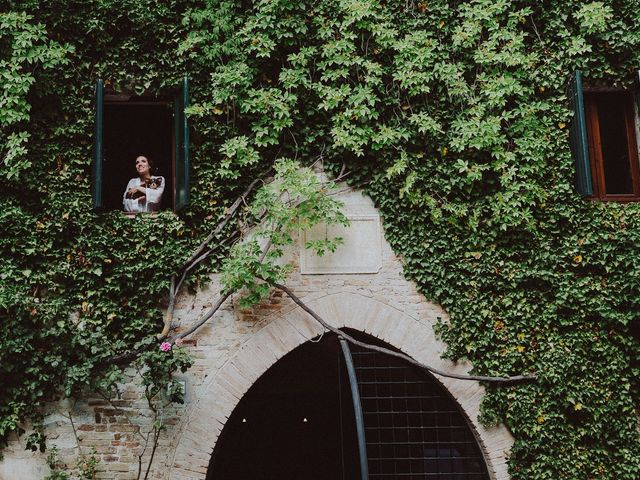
x=615, y=149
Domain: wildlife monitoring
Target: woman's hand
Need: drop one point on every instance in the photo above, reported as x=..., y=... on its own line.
x=133, y=190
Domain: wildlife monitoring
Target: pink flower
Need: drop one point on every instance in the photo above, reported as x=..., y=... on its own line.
x=165, y=346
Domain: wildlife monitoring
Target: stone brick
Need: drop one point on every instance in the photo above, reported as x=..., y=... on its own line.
x=126, y=476
x=124, y=428
x=103, y=449
x=117, y=467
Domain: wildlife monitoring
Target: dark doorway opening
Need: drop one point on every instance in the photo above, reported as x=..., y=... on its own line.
x=291, y=423
x=414, y=429
x=131, y=129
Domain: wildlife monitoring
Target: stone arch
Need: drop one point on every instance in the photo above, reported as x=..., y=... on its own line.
x=283, y=332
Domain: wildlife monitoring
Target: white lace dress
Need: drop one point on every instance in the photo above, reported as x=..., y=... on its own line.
x=154, y=189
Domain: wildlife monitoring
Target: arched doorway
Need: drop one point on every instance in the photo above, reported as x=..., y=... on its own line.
x=297, y=422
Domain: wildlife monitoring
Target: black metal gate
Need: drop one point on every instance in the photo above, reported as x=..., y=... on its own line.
x=310, y=417
x=413, y=429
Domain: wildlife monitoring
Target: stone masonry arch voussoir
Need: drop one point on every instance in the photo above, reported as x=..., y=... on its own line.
x=282, y=332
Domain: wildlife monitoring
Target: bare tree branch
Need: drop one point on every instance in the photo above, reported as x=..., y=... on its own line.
x=478, y=378
x=368, y=346
x=223, y=223
x=200, y=255
x=210, y=313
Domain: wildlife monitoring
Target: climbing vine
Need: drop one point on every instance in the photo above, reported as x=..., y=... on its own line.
x=452, y=115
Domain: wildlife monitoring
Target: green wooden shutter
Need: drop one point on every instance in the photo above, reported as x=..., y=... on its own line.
x=96, y=171
x=181, y=167
x=578, y=137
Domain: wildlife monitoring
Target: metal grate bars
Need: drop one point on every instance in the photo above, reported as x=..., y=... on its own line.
x=413, y=429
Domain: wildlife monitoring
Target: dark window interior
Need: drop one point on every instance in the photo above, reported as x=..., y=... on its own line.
x=612, y=145
x=615, y=146
x=266, y=437
x=132, y=129
x=413, y=429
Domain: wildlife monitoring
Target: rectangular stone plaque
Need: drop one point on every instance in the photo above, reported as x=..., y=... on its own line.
x=361, y=251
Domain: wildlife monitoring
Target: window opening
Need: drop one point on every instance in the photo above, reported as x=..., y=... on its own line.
x=603, y=141
x=128, y=126
x=612, y=145
x=133, y=129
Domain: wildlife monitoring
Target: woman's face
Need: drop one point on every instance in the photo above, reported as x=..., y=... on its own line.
x=142, y=166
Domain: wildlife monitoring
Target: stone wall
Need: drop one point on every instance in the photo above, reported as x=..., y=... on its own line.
x=237, y=346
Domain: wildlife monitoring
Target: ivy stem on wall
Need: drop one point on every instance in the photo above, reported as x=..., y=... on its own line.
x=200, y=254
x=505, y=380
x=402, y=356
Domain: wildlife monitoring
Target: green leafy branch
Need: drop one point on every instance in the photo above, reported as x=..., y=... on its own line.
x=295, y=200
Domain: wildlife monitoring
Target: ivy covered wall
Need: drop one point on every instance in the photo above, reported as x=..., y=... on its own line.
x=452, y=116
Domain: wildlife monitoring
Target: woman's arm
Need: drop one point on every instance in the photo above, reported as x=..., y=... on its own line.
x=129, y=204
